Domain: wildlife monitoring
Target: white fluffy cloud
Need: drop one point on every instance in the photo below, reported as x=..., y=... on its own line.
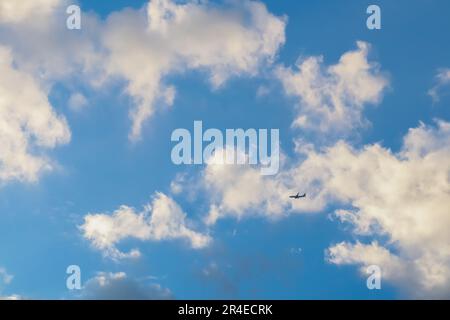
x=240, y=191
x=401, y=196
x=28, y=124
x=236, y=190
x=404, y=196
x=333, y=98
x=442, y=80
x=224, y=41
x=163, y=219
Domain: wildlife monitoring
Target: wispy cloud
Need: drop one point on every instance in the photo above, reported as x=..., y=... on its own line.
x=442, y=80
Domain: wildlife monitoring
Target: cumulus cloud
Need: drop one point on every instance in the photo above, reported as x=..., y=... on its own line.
x=28, y=124
x=168, y=37
x=402, y=197
x=162, y=219
x=442, y=80
x=118, y=286
x=229, y=186
x=333, y=98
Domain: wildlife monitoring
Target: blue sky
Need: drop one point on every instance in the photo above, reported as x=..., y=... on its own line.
x=257, y=257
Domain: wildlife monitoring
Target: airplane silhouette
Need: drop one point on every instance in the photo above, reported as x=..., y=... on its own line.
x=298, y=196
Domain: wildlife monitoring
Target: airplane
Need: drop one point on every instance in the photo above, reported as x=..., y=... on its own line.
x=298, y=196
